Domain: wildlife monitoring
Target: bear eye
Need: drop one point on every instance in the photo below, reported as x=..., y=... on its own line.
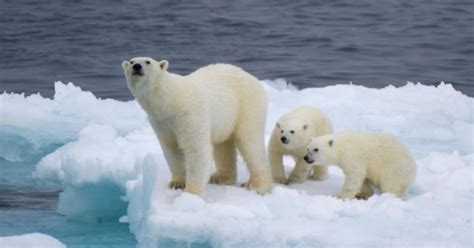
x=316, y=150
x=281, y=131
x=131, y=62
x=292, y=131
x=147, y=62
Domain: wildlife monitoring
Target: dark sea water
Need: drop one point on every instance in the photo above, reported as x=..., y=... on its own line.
x=309, y=43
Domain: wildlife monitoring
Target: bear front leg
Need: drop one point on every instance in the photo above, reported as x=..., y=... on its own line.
x=197, y=160
x=352, y=185
x=276, y=164
x=198, y=169
x=174, y=158
x=299, y=173
x=194, y=141
x=366, y=191
x=253, y=151
x=176, y=165
x=319, y=172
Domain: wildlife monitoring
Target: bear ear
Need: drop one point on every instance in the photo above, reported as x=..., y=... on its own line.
x=305, y=127
x=164, y=64
x=331, y=142
x=125, y=64
x=278, y=125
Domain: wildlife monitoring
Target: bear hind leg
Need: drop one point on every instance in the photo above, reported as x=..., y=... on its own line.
x=395, y=188
x=225, y=158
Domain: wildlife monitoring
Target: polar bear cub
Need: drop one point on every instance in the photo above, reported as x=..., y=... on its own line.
x=208, y=113
x=366, y=159
x=291, y=136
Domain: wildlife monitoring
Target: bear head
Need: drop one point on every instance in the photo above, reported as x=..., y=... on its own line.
x=321, y=150
x=292, y=134
x=140, y=71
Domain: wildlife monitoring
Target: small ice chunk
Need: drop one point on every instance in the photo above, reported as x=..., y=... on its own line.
x=30, y=240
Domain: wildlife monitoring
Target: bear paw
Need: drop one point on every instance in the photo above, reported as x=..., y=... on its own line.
x=245, y=185
x=343, y=196
x=260, y=188
x=362, y=196
x=176, y=185
x=294, y=179
x=318, y=173
x=219, y=178
x=248, y=186
x=317, y=177
x=280, y=180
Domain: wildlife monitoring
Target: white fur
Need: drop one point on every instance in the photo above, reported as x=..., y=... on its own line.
x=305, y=122
x=208, y=113
x=367, y=159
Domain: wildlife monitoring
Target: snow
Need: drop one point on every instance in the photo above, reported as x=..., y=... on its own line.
x=38, y=240
x=112, y=169
x=437, y=212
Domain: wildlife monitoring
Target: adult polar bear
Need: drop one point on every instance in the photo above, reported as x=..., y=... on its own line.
x=210, y=111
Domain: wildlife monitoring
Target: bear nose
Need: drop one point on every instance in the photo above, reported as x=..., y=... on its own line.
x=137, y=67
x=308, y=159
x=284, y=140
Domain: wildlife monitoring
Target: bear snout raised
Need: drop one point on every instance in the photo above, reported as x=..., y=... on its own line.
x=308, y=159
x=284, y=140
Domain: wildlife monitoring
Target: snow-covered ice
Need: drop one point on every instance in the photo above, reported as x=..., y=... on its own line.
x=111, y=168
x=38, y=240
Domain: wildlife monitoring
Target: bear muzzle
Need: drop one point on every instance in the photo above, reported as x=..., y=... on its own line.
x=308, y=158
x=137, y=70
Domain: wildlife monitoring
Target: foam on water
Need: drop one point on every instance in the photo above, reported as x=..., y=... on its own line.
x=111, y=166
